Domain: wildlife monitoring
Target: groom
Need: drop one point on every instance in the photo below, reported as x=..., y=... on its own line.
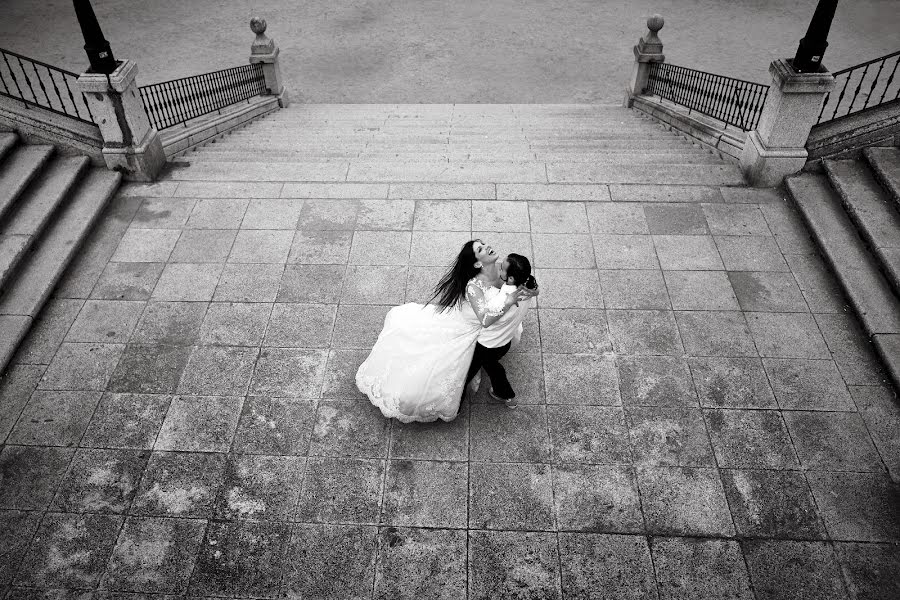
x=495, y=341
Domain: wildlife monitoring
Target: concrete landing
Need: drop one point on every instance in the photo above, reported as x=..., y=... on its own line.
x=700, y=416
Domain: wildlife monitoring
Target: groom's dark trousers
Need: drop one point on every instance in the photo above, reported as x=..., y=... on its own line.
x=489, y=359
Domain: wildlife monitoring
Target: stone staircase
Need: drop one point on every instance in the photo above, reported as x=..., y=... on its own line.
x=546, y=144
x=48, y=204
x=852, y=211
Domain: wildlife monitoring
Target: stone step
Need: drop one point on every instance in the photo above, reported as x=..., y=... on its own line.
x=38, y=274
x=872, y=211
x=390, y=140
x=256, y=146
x=865, y=286
x=885, y=164
x=674, y=174
x=701, y=157
x=18, y=170
x=34, y=210
x=537, y=154
x=8, y=141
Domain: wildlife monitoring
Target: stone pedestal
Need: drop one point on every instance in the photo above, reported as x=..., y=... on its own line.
x=130, y=144
x=648, y=50
x=265, y=51
x=777, y=147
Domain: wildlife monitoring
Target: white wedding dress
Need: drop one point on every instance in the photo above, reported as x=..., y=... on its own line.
x=417, y=368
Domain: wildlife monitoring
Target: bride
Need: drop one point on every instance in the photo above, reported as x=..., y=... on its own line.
x=417, y=368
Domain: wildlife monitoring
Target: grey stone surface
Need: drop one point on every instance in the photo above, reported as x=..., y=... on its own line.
x=264, y=488
x=655, y=381
x=684, y=500
x=179, y=484
x=614, y=566
x=700, y=290
x=341, y=490
x=154, y=555
x=332, y=562
x=127, y=281
x=511, y=496
x=870, y=569
x=751, y=439
x=689, y=369
x=502, y=563
x=199, y=424
x=599, y=498
x=669, y=436
x=647, y=332
x=794, y=569
x=581, y=379
x=771, y=503
x=878, y=408
x=857, y=506
x=241, y=559
x=731, y=383
x=69, y=551
x=420, y=563
x=697, y=568
x=833, y=441
x=422, y=493
x=634, y=289
x=54, y=418
x=807, y=384
x=101, y=481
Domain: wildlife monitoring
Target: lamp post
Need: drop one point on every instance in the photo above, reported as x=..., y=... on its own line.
x=811, y=48
x=95, y=45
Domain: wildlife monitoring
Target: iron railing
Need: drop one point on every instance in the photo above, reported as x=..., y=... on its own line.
x=871, y=89
x=39, y=84
x=733, y=101
x=174, y=102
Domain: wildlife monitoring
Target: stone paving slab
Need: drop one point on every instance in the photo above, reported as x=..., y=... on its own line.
x=699, y=417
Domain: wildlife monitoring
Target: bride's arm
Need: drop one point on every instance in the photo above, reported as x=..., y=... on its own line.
x=486, y=315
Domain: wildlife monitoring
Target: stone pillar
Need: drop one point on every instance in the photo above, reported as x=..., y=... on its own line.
x=777, y=147
x=130, y=144
x=265, y=51
x=648, y=50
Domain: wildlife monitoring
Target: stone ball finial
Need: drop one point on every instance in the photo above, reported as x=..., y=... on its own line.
x=654, y=22
x=258, y=25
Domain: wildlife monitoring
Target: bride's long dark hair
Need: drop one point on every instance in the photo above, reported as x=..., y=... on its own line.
x=451, y=289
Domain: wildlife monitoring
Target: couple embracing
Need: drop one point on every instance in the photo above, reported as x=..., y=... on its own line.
x=427, y=354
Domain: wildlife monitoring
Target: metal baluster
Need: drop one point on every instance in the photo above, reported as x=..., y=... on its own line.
x=858, y=87
x=58, y=95
x=185, y=105
x=169, y=104
x=144, y=93
x=12, y=74
x=180, y=104
x=231, y=82
x=874, y=83
x=760, y=107
x=824, y=104
x=195, y=93
x=889, y=80
x=27, y=81
x=734, y=104
x=841, y=96
x=153, y=106
x=40, y=81
x=708, y=104
x=217, y=91
x=3, y=81
x=183, y=98
x=158, y=105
